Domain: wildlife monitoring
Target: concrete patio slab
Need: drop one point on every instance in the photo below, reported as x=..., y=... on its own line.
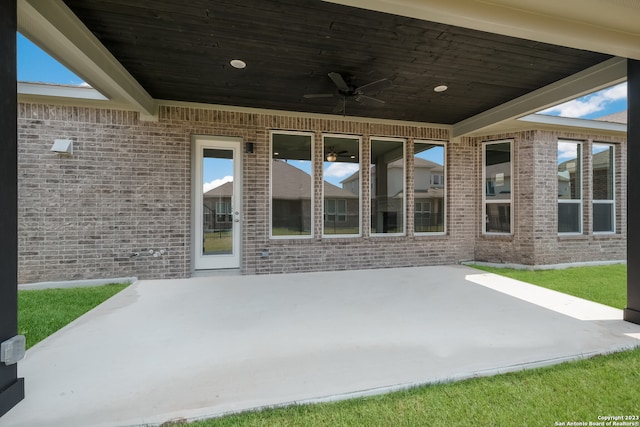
x=206, y=346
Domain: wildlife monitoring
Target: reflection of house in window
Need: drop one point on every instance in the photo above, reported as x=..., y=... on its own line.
x=217, y=208
x=568, y=180
x=341, y=210
x=428, y=196
x=291, y=199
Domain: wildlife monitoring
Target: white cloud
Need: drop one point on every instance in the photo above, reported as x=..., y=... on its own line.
x=566, y=151
x=216, y=183
x=340, y=170
x=589, y=104
x=84, y=84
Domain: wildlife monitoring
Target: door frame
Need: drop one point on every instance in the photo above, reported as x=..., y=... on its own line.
x=215, y=262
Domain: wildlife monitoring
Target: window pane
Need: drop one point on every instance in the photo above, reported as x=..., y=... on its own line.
x=498, y=218
x=569, y=173
x=428, y=188
x=569, y=218
x=341, y=174
x=603, y=217
x=498, y=171
x=602, y=161
x=387, y=186
x=291, y=185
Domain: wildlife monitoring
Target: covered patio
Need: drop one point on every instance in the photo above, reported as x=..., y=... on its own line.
x=169, y=61
x=203, y=347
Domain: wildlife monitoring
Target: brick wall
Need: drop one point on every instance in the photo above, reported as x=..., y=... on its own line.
x=126, y=191
x=535, y=240
x=121, y=204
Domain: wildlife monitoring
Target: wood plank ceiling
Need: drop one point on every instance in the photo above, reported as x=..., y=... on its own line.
x=180, y=50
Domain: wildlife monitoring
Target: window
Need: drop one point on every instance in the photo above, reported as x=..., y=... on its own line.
x=497, y=173
x=603, y=184
x=429, y=191
x=335, y=211
x=569, y=187
x=341, y=185
x=223, y=211
x=387, y=186
x=291, y=184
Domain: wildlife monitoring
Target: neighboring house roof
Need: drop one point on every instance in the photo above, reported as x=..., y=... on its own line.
x=224, y=190
x=620, y=117
x=289, y=182
x=418, y=163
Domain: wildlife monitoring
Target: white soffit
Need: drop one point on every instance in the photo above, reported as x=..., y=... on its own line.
x=52, y=26
x=605, y=26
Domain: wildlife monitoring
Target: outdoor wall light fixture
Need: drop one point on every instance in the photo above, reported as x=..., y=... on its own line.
x=248, y=147
x=63, y=147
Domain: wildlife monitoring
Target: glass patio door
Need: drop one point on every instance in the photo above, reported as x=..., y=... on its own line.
x=218, y=203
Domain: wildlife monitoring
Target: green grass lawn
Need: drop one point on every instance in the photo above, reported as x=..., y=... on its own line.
x=42, y=312
x=576, y=391
x=605, y=284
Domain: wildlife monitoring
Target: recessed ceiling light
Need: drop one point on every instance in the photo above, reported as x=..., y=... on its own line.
x=440, y=88
x=238, y=63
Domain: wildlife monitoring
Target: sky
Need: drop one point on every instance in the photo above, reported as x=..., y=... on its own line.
x=34, y=65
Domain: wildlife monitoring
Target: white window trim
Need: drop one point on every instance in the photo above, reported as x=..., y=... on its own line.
x=445, y=173
x=404, y=186
x=484, y=189
x=346, y=136
x=580, y=201
x=603, y=202
x=287, y=237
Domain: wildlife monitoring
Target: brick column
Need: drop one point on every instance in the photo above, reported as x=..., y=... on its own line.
x=632, y=312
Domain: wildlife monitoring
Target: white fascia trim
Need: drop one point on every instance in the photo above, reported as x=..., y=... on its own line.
x=60, y=91
x=574, y=122
x=517, y=19
x=52, y=26
x=600, y=76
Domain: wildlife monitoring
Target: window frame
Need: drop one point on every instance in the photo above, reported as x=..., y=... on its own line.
x=360, y=201
x=485, y=201
x=442, y=184
x=403, y=141
x=311, y=235
x=580, y=201
x=612, y=201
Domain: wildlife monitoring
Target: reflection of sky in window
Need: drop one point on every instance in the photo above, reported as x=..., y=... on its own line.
x=335, y=172
x=304, y=165
x=599, y=148
x=435, y=154
x=567, y=151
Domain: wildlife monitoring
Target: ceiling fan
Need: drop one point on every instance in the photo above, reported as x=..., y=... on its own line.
x=358, y=93
x=333, y=155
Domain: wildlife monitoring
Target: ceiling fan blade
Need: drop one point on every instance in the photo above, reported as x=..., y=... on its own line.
x=339, y=81
x=340, y=106
x=367, y=100
x=374, y=87
x=318, y=95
